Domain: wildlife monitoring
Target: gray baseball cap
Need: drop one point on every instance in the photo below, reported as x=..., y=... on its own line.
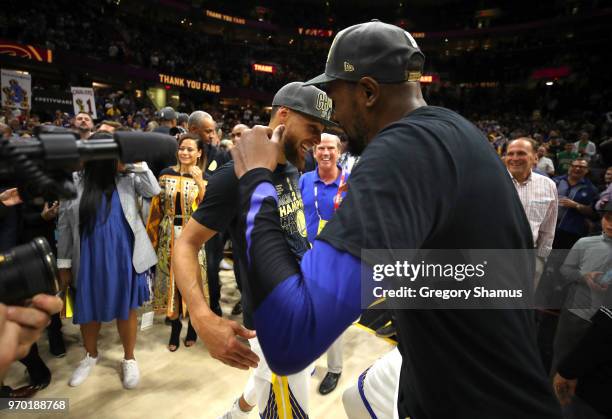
x=379, y=50
x=308, y=100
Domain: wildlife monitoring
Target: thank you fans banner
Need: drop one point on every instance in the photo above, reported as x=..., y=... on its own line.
x=16, y=89
x=83, y=101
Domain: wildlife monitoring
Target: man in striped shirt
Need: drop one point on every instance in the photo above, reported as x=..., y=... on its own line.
x=537, y=193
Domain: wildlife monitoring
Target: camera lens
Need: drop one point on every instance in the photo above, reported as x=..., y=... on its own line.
x=27, y=270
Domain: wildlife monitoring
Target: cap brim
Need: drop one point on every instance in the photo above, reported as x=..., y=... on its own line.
x=321, y=79
x=327, y=122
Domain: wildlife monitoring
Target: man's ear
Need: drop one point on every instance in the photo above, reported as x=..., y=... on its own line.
x=282, y=114
x=370, y=90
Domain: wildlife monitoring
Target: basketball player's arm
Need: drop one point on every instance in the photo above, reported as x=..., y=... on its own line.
x=300, y=308
x=594, y=350
x=218, y=334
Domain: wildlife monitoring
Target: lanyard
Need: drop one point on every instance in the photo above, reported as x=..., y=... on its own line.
x=337, y=197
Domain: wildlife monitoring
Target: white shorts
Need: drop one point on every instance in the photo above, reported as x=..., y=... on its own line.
x=278, y=396
x=375, y=395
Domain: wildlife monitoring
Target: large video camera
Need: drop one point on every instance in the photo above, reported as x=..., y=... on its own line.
x=41, y=168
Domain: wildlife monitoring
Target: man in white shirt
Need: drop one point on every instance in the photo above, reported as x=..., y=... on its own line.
x=538, y=194
x=584, y=147
x=545, y=164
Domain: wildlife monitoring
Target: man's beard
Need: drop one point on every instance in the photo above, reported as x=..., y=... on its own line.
x=292, y=154
x=357, y=140
x=357, y=135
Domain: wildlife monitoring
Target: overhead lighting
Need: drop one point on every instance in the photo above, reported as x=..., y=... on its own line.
x=549, y=83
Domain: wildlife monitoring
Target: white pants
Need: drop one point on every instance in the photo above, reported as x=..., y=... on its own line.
x=276, y=396
x=375, y=394
x=334, y=357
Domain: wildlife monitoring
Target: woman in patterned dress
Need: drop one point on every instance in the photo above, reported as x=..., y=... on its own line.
x=182, y=189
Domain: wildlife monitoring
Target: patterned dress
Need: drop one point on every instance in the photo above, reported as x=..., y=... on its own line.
x=169, y=213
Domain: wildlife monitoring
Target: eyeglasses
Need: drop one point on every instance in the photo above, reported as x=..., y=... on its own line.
x=576, y=166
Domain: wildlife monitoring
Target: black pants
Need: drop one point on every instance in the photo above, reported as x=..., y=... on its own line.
x=37, y=369
x=56, y=324
x=214, y=255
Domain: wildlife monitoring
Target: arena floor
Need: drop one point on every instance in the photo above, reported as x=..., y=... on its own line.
x=184, y=384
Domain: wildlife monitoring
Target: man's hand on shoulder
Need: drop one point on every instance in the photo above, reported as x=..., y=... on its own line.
x=258, y=147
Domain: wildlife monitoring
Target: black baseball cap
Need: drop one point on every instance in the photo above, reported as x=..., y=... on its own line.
x=308, y=100
x=168, y=113
x=379, y=50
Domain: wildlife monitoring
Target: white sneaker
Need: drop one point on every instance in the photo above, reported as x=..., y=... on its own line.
x=225, y=265
x=235, y=412
x=131, y=374
x=82, y=372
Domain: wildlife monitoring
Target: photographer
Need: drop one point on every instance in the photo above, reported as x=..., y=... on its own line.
x=20, y=327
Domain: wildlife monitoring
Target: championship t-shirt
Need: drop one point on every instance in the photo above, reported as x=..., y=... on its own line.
x=431, y=181
x=219, y=212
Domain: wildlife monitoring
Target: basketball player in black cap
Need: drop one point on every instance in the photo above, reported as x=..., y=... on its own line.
x=427, y=179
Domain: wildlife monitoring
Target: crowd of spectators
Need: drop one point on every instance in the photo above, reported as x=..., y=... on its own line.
x=168, y=47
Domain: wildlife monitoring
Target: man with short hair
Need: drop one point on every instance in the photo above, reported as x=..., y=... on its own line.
x=538, y=194
x=237, y=132
x=585, y=148
x=545, y=164
x=301, y=112
x=576, y=197
x=204, y=126
x=84, y=125
x=427, y=179
x=321, y=194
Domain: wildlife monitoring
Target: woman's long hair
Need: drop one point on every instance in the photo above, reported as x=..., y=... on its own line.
x=98, y=179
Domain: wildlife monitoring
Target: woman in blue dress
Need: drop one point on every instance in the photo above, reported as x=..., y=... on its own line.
x=105, y=253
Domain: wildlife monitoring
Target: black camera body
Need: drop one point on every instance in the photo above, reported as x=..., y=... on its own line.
x=41, y=167
x=27, y=270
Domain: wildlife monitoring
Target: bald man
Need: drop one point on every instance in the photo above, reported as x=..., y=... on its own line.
x=203, y=125
x=537, y=193
x=237, y=132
